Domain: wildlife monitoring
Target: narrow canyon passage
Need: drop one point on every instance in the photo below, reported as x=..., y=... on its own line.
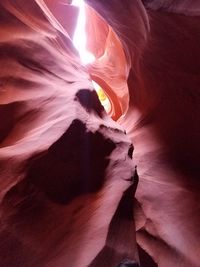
x=70, y=195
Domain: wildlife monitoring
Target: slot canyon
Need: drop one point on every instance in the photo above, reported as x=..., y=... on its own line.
x=100, y=160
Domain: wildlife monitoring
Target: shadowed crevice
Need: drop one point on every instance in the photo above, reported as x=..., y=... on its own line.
x=120, y=246
x=89, y=100
x=74, y=165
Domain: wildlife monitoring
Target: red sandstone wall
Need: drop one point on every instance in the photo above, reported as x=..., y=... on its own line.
x=163, y=122
x=65, y=166
x=160, y=115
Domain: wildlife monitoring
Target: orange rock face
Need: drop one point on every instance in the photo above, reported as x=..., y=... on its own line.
x=67, y=174
x=66, y=167
x=163, y=121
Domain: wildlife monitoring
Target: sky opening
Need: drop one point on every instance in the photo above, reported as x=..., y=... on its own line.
x=80, y=41
x=80, y=38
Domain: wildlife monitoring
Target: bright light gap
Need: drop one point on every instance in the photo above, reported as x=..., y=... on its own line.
x=80, y=41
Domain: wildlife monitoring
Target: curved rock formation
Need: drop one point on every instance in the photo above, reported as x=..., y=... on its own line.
x=163, y=121
x=65, y=166
x=67, y=175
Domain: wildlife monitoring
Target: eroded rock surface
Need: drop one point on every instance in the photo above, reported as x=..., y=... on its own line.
x=66, y=167
x=163, y=121
x=64, y=164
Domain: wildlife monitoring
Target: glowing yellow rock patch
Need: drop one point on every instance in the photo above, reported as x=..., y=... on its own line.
x=102, y=97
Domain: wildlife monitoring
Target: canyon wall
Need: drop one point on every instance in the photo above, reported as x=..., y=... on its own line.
x=161, y=41
x=67, y=169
